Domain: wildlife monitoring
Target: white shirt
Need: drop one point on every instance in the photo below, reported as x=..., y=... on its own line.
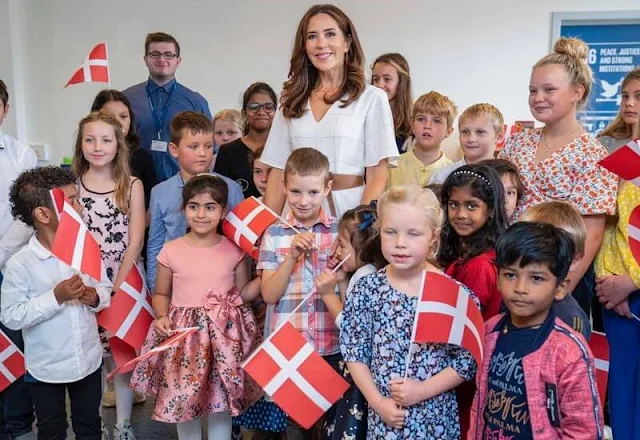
x=353, y=138
x=441, y=175
x=14, y=159
x=61, y=342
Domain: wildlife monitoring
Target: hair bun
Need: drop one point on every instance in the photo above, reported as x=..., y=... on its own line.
x=573, y=47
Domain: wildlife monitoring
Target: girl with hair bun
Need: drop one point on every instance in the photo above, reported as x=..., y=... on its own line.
x=560, y=160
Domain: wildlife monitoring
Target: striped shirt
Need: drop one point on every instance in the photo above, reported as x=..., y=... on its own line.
x=313, y=319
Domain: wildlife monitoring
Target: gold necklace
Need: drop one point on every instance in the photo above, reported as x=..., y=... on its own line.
x=546, y=144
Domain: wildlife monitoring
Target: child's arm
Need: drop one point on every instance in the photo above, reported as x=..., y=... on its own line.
x=18, y=311
x=580, y=410
x=409, y=392
x=595, y=233
x=157, y=235
x=137, y=223
x=274, y=282
x=249, y=290
x=161, y=300
x=326, y=287
x=97, y=296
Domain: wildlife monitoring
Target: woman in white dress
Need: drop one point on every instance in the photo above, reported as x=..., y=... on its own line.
x=326, y=104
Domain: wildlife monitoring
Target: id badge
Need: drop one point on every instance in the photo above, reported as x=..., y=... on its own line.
x=157, y=145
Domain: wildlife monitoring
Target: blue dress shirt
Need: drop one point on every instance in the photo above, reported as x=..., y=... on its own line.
x=168, y=221
x=180, y=99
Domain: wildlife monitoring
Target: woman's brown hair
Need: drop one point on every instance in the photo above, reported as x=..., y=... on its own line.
x=618, y=129
x=403, y=102
x=121, y=171
x=303, y=76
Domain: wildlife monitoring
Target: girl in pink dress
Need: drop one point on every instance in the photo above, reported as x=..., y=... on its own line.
x=202, y=280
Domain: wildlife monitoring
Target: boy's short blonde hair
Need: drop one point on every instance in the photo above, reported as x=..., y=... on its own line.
x=484, y=109
x=307, y=162
x=562, y=215
x=436, y=104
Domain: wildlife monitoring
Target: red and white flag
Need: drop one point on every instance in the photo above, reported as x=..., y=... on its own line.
x=600, y=348
x=625, y=162
x=178, y=336
x=245, y=223
x=130, y=314
x=295, y=376
x=11, y=362
x=634, y=233
x=95, y=67
x=73, y=243
x=447, y=314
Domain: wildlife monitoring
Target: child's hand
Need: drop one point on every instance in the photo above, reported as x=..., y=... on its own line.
x=163, y=326
x=406, y=392
x=326, y=282
x=623, y=309
x=302, y=244
x=69, y=290
x=89, y=297
x=390, y=413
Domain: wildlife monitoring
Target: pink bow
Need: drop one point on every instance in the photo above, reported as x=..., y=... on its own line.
x=222, y=309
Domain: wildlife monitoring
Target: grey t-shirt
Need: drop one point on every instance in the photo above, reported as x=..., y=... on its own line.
x=612, y=144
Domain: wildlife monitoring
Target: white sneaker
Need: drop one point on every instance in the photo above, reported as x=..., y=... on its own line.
x=105, y=433
x=608, y=435
x=124, y=432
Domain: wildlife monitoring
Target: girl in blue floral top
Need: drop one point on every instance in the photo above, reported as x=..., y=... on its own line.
x=377, y=323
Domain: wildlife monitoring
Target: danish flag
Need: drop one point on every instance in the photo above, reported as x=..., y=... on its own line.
x=625, y=162
x=245, y=223
x=295, y=376
x=178, y=336
x=73, y=243
x=130, y=314
x=600, y=348
x=447, y=314
x=634, y=233
x=11, y=362
x=95, y=67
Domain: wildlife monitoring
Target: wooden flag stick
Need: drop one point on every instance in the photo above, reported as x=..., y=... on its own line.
x=415, y=325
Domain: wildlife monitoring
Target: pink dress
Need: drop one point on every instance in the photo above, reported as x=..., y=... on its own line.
x=203, y=375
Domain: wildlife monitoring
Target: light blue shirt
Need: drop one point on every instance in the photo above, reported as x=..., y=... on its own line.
x=168, y=221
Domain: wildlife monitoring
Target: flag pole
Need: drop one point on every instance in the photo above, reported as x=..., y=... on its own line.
x=309, y=295
x=283, y=220
x=415, y=326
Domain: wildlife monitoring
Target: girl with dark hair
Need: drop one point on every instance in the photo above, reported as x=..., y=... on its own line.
x=116, y=104
x=473, y=197
x=327, y=105
x=258, y=108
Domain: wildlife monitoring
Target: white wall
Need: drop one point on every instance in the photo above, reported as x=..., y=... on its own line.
x=471, y=50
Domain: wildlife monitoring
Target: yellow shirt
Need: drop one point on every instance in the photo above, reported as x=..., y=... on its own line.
x=411, y=170
x=615, y=257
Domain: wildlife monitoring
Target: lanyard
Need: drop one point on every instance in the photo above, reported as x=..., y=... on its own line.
x=160, y=115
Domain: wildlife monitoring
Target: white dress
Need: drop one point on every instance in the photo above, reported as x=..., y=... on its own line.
x=353, y=138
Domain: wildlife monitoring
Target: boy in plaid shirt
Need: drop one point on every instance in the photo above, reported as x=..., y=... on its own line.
x=292, y=257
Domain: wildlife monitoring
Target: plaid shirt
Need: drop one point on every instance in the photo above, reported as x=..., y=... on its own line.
x=312, y=319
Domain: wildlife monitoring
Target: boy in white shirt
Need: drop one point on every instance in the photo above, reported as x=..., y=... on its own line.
x=16, y=408
x=481, y=129
x=55, y=309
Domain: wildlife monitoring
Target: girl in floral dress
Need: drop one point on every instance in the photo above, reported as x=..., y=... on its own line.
x=114, y=213
x=376, y=329
x=202, y=281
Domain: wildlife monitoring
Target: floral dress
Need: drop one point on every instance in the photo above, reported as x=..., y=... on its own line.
x=110, y=227
x=571, y=174
x=376, y=331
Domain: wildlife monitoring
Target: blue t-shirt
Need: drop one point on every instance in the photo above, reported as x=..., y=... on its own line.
x=506, y=412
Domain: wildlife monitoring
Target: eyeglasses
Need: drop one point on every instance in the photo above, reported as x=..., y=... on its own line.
x=156, y=55
x=255, y=107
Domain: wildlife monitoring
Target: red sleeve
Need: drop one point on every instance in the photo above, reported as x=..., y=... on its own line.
x=481, y=276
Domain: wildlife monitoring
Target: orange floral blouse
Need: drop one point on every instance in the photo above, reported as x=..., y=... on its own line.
x=571, y=174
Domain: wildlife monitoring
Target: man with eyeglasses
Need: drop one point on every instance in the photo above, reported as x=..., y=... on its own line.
x=156, y=101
